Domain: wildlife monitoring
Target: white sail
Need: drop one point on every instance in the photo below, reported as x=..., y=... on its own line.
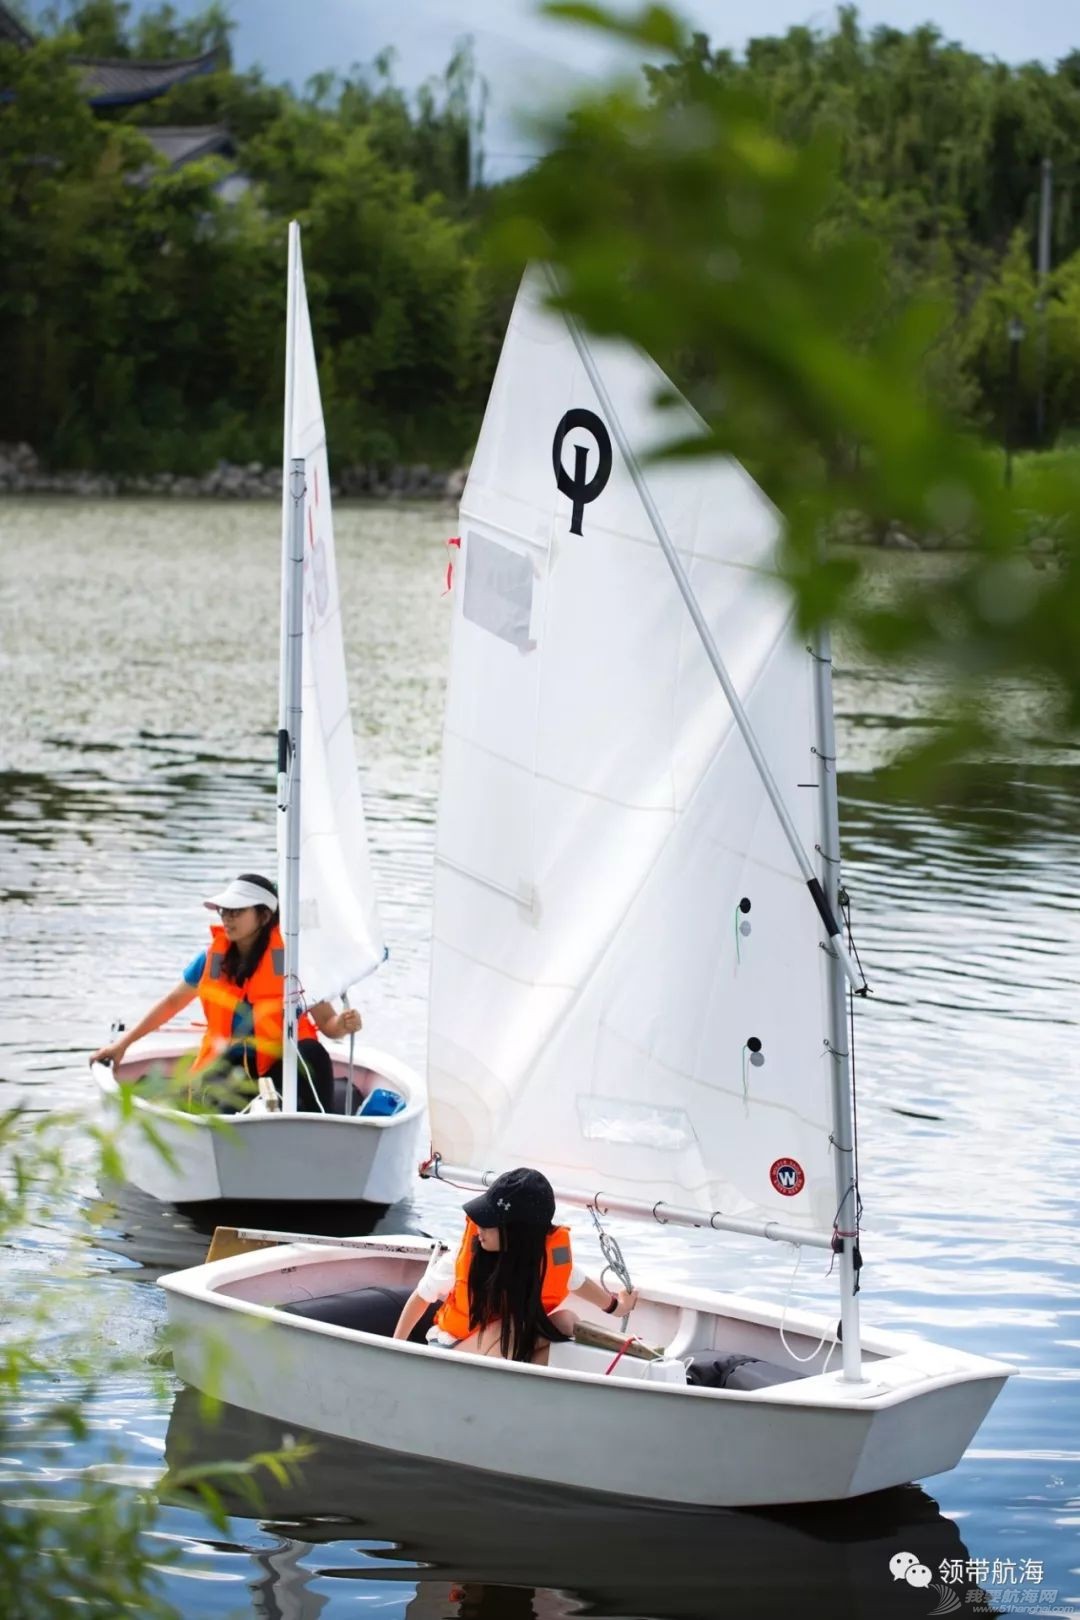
x=601, y=1007
x=340, y=934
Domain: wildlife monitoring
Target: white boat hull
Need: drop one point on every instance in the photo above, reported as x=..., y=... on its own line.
x=817, y=1438
x=183, y=1158
x=623, y=1557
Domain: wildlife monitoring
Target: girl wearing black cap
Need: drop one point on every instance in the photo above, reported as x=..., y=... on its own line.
x=501, y=1295
x=240, y=982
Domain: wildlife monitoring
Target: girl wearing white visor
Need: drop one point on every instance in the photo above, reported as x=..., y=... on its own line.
x=239, y=979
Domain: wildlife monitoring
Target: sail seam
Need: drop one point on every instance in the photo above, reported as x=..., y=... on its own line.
x=542, y=546
x=623, y=804
x=764, y=570
x=558, y=781
x=516, y=895
x=602, y=951
x=501, y=971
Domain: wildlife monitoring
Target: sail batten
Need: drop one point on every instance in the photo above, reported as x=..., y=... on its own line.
x=341, y=939
x=620, y=1028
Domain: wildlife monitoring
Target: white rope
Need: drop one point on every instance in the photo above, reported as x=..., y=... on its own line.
x=352, y=1063
x=301, y=1064
x=783, y=1317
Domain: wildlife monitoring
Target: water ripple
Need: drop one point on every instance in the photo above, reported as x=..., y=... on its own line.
x=138, y=773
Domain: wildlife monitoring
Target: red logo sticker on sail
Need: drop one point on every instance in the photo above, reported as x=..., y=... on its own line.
x=787, y=1177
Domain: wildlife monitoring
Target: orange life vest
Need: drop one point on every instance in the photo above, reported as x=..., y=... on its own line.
x=453, y=1314
x=264, y=991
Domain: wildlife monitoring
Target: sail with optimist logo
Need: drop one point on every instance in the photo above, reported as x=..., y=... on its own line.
x=627, y=987
x=340, y=935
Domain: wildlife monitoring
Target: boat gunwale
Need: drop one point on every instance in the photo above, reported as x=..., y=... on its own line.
x=192, y=1284
x=415, y=1103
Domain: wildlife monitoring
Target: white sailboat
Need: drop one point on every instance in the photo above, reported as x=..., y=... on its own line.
x=329, y=916
x=638, y=984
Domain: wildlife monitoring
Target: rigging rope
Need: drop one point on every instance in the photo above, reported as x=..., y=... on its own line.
x=816, y=1351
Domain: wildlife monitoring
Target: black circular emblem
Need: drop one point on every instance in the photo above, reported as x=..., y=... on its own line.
x=578, y=488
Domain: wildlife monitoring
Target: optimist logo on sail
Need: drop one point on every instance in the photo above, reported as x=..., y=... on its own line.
x=577, y=488
x=787, y=1177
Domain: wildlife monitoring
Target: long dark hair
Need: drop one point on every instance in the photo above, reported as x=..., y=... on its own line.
x=507, y=1288
x=238, y=965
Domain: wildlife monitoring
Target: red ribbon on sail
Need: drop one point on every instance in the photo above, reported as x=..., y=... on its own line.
x=454, y=540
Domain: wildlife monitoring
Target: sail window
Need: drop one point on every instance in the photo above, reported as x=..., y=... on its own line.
x=498, y=590
x=631, y=1124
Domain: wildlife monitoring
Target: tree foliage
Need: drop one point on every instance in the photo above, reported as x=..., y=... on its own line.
x=142, y=314
x=83, y=1538
x=67, y=1546
x=687, y=222
x=938, y=157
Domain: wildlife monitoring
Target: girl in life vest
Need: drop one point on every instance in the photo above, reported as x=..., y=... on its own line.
x=500, y=1295
x=239, y=979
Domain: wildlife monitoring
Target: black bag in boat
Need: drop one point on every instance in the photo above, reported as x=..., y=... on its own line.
x=367, y=1310
x=737, y=1372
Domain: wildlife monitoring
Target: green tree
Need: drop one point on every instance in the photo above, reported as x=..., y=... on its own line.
x=685, y=223
x=103, y=28
x=96, y=27
x=143, y=316
x=938, y=156
x=397, y=303
x=161, y=34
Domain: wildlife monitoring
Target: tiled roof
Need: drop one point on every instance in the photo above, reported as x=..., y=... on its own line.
x=180, y=144
x=12, y=31
x=120, y=83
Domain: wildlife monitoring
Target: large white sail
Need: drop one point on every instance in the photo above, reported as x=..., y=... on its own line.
x=627, y=986
x=340, y=934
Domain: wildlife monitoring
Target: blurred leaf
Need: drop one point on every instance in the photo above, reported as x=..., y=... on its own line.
x=652, y=26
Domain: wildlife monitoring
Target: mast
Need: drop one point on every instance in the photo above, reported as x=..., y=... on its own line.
x=287, y=789
x=839, y=1050
x=289, y=685
x=292, y=660
x=291, y=284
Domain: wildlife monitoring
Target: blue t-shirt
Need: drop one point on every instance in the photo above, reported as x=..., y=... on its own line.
x=243, y=1021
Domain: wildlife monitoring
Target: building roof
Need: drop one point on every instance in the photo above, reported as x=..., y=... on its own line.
x=183, y=143
x=12, y=31
x=121, y=83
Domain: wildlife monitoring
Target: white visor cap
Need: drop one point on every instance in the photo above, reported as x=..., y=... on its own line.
x=241, y=893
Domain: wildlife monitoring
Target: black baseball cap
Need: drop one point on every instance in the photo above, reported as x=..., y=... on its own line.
x=517, y=1195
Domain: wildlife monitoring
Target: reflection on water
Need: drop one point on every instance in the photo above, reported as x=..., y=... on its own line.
x=487, y=1537
x=160, y=1237
x=139, y=688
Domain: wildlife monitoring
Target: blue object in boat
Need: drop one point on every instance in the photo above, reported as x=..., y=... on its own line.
x=381, y=1103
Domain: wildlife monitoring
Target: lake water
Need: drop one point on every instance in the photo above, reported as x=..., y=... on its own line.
x=138, y=688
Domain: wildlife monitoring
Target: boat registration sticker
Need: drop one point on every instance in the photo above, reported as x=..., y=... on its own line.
x=787, y=1177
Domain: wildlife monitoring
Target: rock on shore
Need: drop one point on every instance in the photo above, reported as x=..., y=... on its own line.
x=21, y=473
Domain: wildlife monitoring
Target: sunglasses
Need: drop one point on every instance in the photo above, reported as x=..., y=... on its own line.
x=225, y=912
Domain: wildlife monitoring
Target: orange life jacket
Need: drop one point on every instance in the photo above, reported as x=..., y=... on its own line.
x=453, y=1314
x=264, y=991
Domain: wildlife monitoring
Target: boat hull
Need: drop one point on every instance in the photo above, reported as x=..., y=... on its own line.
x=624, y=1557
x=277, y=1159
x=817, y=1439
